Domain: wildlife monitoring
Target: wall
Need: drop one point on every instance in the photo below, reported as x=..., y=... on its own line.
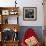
x=34, y=3
x=30, y=3
x=26, y=3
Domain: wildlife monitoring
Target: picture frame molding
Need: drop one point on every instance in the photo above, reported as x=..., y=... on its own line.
x=30, y=19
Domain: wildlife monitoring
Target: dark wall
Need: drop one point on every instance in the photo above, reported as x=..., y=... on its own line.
x=37, y=29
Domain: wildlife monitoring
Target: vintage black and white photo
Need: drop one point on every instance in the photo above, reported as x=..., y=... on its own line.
x=29, y=13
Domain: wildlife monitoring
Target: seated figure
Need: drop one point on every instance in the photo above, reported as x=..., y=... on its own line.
x=30, y=38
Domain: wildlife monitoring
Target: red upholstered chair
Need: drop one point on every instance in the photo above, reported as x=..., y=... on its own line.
x=29, y=33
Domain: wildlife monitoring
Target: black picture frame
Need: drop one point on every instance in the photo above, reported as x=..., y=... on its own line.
x=29, y=13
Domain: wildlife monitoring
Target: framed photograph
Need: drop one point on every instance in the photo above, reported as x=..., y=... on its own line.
x=13, y=12
x=5, y=12
x=30, y=13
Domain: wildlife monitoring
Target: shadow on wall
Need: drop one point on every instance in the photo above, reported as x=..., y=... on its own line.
x=37, y=29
